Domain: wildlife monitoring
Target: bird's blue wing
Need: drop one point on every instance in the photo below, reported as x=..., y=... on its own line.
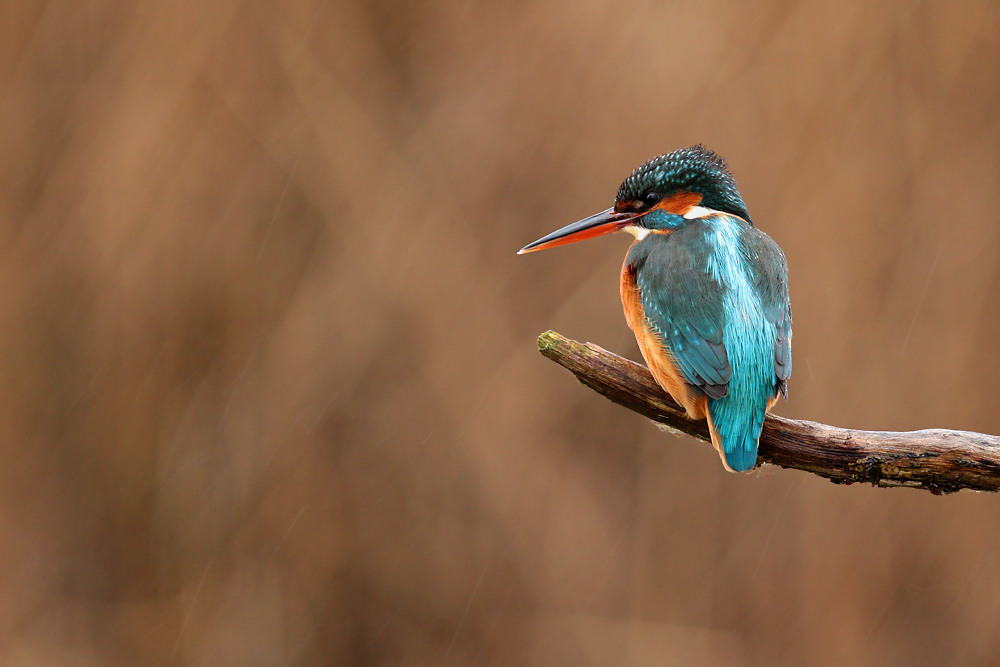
x=686, y=282
x=684, y=306
x=783, y=349
x=770, y=275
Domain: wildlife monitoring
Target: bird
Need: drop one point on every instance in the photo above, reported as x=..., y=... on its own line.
x=705, y=292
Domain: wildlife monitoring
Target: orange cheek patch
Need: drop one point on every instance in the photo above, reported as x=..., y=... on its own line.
x=679, y=203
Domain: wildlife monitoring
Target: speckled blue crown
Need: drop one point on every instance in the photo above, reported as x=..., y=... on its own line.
x=695, y=169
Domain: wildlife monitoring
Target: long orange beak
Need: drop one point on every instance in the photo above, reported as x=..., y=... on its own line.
x=603, y=223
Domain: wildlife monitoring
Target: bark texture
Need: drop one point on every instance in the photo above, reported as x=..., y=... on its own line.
x=938, y=460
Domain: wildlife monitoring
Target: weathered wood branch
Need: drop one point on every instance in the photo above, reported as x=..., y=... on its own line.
x=938, y=460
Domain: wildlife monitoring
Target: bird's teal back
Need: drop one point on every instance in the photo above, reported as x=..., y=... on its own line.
x=715, y=290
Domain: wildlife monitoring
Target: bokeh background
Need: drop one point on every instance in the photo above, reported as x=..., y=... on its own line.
x=269, y=392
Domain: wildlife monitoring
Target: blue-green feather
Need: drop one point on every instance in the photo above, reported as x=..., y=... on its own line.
x=682, y=305
x=716, y=291
x=695, y=169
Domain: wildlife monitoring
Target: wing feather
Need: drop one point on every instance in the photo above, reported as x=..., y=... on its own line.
x=684, y=306
x=770, y=272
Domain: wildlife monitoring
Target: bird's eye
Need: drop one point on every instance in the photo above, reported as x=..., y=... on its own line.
x=650, y=199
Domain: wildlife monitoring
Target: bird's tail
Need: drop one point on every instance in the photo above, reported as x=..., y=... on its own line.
x=735, y=431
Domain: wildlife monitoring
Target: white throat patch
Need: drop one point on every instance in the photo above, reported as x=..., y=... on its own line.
x=638, y=232
x=699, y=212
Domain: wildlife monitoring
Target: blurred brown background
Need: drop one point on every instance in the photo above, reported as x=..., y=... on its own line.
x=269, y=392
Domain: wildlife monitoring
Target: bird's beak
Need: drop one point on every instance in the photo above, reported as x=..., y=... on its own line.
x=600, y=224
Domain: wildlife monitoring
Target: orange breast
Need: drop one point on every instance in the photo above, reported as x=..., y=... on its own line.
x=655, y=351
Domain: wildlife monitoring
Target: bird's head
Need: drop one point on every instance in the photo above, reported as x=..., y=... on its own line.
x=658, y=197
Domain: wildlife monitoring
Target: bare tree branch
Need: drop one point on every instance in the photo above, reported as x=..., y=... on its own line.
x=938, y=460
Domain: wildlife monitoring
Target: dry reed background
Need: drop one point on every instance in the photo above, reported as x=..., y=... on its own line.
x=270, y=393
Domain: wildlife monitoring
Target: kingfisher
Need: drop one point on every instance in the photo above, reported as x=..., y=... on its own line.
x=704, y=291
